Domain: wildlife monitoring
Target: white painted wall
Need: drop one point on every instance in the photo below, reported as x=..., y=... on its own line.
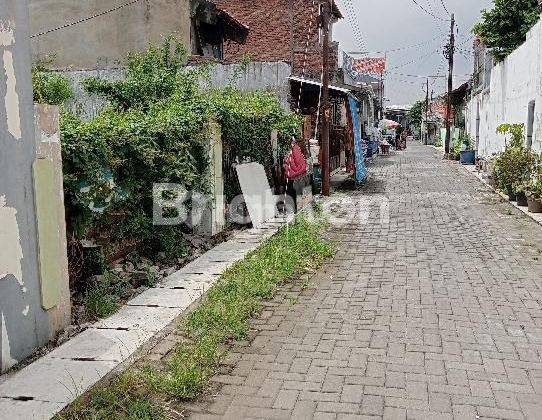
x=514, y=83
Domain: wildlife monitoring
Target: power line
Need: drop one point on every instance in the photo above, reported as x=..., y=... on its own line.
x=352, y=18
x=396, y=49
x=419, y=75
x=428, y=12
x=445, y=8
x=430, y=6
x=416, y=59
x=77, y=22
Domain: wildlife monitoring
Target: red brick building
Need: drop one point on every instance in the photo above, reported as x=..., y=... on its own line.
x=278, y=31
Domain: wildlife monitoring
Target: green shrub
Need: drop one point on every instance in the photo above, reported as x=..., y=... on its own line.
x=516, y=164
x=533, y=188
x=155, y=130
x=49, y=87
x=462, y=142
x=247, y=120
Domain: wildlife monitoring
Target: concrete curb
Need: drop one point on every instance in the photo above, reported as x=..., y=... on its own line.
x=48, y=385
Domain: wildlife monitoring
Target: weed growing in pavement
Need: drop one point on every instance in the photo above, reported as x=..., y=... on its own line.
x=99, y=301
x=221, y=318
x=123, y=399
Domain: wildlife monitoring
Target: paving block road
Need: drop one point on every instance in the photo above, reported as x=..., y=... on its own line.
x=431, y=308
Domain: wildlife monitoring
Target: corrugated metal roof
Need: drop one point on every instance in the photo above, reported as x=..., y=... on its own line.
x=312, y=82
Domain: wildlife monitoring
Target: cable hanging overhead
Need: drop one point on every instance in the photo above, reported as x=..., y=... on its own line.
x=421, y=44
x=444, y=7
x=429, y=12
x=86, y=19
x=352, y=17
x=417, y=59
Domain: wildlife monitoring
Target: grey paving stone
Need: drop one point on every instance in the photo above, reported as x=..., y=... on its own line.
x=430, y=311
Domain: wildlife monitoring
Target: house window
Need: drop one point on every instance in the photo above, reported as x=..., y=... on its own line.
x=530, y=124
x=207, y=34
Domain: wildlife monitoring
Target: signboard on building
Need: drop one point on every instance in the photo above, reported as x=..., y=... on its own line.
x=358, y=67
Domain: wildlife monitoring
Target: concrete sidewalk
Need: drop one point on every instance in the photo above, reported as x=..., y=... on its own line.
x=46, y=386
x=430, y=309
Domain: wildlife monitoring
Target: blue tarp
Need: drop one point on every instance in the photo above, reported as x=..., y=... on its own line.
x=361, y=170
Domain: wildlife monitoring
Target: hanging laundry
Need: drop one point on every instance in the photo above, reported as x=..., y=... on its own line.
x=295, y=164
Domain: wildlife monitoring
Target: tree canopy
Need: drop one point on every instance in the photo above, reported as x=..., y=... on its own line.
x=504, y=27
x=415, y=114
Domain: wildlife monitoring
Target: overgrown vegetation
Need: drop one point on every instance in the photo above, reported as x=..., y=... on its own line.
x=49, y=87
x=246, y=120
x=100, y=302
x=504, y=27
x=124, y=399
x=156, y=130
x=516, y=164
x=223, y=316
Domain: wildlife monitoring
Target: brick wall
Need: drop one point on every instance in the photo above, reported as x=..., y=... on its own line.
x=270, y=33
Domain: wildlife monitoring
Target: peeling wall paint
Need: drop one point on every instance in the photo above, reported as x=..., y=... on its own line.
x=7, y=36
x=12, y=254
x=7, y=39
x=24, y=323
x=12, y=98
x=6, y=360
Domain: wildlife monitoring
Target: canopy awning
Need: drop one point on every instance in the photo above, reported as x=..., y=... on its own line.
x=314, y=83
x=389, y=124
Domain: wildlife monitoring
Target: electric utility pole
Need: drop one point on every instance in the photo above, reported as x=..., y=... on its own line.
x=427, y=114
x=381, y=96
x=449, y=54
x=326, y=110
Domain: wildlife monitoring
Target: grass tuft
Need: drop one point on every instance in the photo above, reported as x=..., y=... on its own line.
x=100, y=303
x=123, y=399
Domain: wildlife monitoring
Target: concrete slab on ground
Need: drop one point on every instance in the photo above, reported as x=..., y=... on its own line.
x=28, y=410
x=46, y=386
x=140, y=318
x=54, y=380
x=164, y=298
x=99, y=344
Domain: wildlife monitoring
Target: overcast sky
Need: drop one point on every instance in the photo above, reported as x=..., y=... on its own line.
x=390, y=24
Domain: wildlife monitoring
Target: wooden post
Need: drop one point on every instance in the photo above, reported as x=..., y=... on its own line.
x=325, y=19
x=426, y=137
x=450, y=56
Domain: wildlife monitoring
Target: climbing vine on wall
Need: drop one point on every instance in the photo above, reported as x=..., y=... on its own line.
x=155, y=130
x=49, y=87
